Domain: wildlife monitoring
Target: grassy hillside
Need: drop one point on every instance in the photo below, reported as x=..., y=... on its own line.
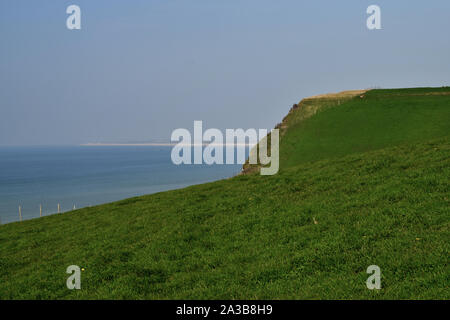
x=380, y=119
x=373, y=189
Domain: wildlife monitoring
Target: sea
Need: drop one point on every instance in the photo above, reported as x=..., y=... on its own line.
x=80, y=176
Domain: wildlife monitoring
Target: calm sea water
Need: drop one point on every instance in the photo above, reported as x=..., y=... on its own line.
x=85, y=176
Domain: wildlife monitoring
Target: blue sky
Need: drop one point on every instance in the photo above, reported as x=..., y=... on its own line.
x=137, y=70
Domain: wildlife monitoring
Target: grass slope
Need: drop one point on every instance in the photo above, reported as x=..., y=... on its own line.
x=382, y=118
x=308, y=232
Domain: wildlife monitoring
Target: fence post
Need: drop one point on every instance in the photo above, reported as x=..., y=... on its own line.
x=20, y=213
x=40, y=210
x=59, y=208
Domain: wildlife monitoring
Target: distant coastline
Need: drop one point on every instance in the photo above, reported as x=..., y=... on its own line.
x=168, y=144
x=127, y=144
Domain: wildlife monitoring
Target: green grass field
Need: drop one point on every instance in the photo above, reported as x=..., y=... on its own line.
x=362, y=181
x=381, y=119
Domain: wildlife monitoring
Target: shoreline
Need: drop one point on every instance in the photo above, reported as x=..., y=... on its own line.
x=164, y=144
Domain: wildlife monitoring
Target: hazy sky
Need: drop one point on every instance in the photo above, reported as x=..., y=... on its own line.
x=139, y=69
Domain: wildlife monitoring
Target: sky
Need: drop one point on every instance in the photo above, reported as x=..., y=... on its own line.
x=137, y=70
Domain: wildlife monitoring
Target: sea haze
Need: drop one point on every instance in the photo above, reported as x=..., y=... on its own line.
x=85, y=176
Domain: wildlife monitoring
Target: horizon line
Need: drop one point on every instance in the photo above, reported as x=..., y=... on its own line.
x=171, y=144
